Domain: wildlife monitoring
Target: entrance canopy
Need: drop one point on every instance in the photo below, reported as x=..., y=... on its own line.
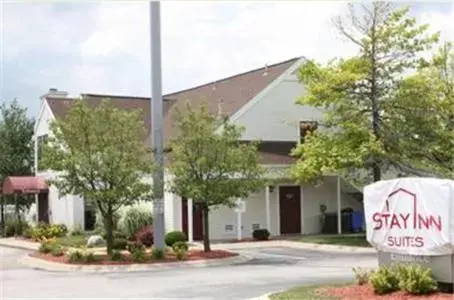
x=24, y=185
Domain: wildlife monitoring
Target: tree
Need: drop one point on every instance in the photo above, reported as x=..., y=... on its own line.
x=101, y=155
x=427, y=133
x=358, y=94
x=16, y=151
x=212, y=169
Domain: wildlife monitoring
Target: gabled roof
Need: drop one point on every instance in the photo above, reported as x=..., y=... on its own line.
x=226, y=95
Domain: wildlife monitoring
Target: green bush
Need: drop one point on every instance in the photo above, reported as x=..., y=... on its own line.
x=157, y=253
x=175, y=236
x=15, y=227
x=180, y=249
x=47, y=245
x=76, y=256
x=384, y=280
x=57, y=250
x=261, y=234
x=77, y=231
x=132, y=245
x=117, y=256
x=416, y=280
x=139, y=255
x=119, y=244
x=134, y=219
x=361, y=275
x=43, y=230
x=81, y=256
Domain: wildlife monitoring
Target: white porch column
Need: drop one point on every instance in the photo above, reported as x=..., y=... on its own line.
x=190, y=221
x=239, y=225
x=267, y=208
x=339, y=206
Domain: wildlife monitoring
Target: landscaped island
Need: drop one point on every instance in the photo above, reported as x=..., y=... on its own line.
x=391, y=283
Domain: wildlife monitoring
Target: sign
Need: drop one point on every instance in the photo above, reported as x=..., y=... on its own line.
x=410, y=216
x=240, y=206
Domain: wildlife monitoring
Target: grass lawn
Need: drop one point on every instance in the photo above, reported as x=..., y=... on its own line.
x=354, y=239
x=308, y=292
x=73, y=240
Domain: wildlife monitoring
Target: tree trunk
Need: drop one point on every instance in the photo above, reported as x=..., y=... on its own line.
x=206, y=229
x=109, y=227
x=2, y=212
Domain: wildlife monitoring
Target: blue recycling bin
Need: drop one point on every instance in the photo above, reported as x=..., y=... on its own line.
x=357, y=221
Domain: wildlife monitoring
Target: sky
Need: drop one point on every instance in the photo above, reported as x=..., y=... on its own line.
x=104, y=47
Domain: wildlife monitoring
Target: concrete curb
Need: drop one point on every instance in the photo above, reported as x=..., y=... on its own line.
x=40, y=264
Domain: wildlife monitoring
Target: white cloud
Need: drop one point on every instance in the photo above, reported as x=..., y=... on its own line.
x=204, y=41
x=104, y=47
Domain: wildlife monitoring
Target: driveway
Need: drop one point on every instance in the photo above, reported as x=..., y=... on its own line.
x=271, y=269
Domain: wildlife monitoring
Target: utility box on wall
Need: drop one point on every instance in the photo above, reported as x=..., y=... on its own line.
x=411, y=221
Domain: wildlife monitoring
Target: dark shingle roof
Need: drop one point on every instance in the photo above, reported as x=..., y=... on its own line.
x=228, y=94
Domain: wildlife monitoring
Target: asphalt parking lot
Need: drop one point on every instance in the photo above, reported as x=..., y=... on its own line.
x=270, y=269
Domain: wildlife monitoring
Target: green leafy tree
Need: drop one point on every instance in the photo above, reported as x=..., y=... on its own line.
x=211, y=168
x=16, y=151
x=101, y=155
x=426, y=134
x=358, y=95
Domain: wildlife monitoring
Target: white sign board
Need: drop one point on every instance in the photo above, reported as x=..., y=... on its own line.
x=240, y=206
x=411, y=216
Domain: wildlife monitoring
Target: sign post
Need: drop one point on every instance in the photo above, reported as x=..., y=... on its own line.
x=410, y=221
x=240, y=208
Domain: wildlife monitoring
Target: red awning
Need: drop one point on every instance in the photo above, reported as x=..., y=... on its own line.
x=24, y=185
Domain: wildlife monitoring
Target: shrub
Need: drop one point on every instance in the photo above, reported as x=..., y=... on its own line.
x=117, y=256
x=175, y=236
x=361, y=275
x=77, y=231
x=139, y=254
x=145, y=236
x=416, y=280
x=261, y=234
x=81, y=256
x=76, y=256
x=180, y=249
x=28, y=233
x=15, y=227
x=384, y=280
x=119, y=244
x=157, y=253
x=57, y=250
x=47, y=245
x=43, y=230
x=132, y=245
x=134, y=219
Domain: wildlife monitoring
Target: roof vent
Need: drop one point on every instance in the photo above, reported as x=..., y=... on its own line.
x=266, y=71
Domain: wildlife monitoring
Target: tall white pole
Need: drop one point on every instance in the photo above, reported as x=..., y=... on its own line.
x=156, y=125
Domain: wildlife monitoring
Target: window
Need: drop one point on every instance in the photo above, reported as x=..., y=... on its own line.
x=42, y=139
x=307, y=127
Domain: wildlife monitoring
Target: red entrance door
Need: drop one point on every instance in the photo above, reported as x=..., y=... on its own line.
x=290, y=209
x=197, y=219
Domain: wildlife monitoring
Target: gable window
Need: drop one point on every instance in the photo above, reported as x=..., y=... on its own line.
x=307, y=127
x=42, y=139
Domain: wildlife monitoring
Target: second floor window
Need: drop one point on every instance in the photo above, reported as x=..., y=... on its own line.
x=307, y=127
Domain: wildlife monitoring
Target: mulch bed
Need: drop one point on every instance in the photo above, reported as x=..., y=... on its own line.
x=365, y=292
x=103, y=259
